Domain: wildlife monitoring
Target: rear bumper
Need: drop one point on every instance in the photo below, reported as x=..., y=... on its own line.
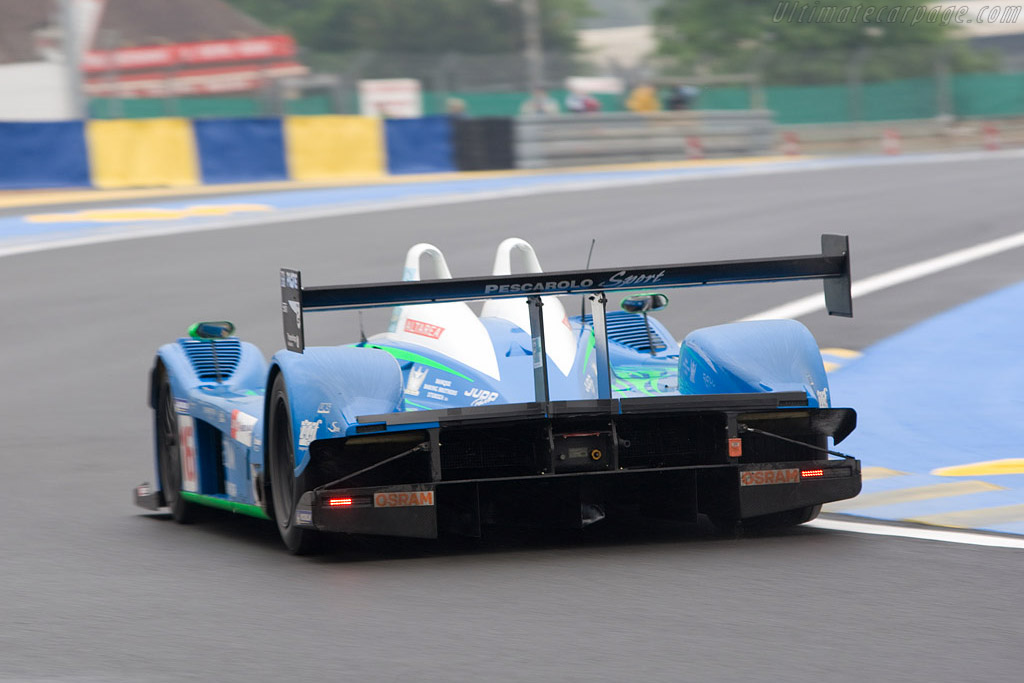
x=764, y=489
x=426, y=510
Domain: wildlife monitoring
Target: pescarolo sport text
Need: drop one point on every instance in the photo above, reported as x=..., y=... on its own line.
x=538, y=286
x=623, y=279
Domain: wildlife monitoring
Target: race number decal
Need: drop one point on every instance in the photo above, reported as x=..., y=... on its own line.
x=187, y=448
x=241, y=427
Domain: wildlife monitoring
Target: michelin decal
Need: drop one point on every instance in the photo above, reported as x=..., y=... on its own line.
x=308, y=432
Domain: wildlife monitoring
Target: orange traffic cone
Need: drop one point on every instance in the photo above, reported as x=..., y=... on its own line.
x=694, y=148
x=891, y=141
x=990, y=136
x=790, y=143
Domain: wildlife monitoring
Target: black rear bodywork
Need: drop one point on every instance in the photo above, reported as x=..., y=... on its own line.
x=564, y=464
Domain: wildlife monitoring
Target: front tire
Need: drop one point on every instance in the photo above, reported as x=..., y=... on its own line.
x=169, y=453
x=285, y=487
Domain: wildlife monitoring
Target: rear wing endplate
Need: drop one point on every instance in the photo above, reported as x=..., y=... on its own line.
x=832, y=266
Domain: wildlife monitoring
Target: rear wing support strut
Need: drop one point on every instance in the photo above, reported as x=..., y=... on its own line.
x=540, y=354
x=598, y=304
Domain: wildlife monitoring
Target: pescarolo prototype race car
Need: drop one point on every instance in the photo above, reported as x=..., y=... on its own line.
x=520, y=415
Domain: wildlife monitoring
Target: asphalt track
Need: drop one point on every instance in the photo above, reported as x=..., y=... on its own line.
x=94, y=590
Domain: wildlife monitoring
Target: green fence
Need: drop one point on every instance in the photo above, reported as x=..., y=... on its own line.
x=980, y=95
x=504, y=103
x=989, y=94
x=805, y=104
x=200, y=107
x=912, y=98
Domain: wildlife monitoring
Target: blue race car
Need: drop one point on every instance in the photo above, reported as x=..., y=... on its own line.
x=451, y=421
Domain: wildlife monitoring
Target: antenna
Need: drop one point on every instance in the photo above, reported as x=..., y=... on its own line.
x=362, y=332
x=583, y=299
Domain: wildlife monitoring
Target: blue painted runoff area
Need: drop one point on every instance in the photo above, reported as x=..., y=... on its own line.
x=92, y=219
x=948, y=391
x=225, y=157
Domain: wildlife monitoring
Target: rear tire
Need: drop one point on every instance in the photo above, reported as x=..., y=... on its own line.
x=732, y=527
x=782, y=520
x=285, y=487
x=169, y=453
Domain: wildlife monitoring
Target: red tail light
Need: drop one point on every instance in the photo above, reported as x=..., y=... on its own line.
x=811, y=474
x=338, y=502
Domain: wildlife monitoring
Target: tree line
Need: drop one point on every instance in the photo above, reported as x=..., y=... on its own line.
x=782, y=41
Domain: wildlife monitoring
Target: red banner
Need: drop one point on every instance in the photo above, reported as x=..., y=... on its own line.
x=211, y=81
x=189, y=54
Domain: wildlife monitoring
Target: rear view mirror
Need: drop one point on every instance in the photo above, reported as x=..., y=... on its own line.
x=216, y=329
x=643, y=303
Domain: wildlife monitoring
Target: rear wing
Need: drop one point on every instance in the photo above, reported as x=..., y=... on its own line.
x=832, y=266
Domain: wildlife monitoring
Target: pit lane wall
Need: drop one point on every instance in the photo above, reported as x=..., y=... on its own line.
x=552, y=140
x=181, y=152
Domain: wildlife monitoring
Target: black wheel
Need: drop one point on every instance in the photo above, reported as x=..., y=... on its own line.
x=169, y=453
x=782, y=520
x=285, y=488
x=725, y=526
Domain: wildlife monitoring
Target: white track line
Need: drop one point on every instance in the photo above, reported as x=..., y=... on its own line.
x=875, y=283
x=914, y=271
x=960, y=537
x=142, y=231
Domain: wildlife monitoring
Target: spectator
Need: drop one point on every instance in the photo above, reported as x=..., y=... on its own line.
x=455, y=107
x=580, y=102
x=644, y=98
x=682, y=97
x=574, y=102
x=539, y=103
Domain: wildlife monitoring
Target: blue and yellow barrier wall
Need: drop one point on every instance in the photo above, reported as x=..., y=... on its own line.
x=179, y=152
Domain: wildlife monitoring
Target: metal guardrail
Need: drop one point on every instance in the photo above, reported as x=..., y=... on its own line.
x=607, y=138
x=911, y=135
